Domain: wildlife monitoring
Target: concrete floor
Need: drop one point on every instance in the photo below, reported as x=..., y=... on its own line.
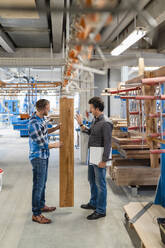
x=70, y=228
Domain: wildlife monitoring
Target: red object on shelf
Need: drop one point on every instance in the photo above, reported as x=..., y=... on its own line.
x=156, y=115
x=134, y=128
x=153, y=135
x=124, y=90
x=1, y=171
x=153, y=81
x=128, y=97
x=134, y=113
x=162, y=97
x=157, y=151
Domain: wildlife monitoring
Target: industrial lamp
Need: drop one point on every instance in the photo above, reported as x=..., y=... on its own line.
x=132, y=38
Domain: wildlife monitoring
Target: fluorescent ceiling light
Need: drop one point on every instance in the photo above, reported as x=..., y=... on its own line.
x=136, y=35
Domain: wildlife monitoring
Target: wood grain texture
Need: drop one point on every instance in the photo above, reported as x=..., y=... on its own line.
x=67, y=152
x=146, y=226
x=140, y=175
x=151, y=123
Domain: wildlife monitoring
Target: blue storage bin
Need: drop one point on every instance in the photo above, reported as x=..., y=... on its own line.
x=115, y=152
x=20, y=127
x=124, y=129
x=24, y=133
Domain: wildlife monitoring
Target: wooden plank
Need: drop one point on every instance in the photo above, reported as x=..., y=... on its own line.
x=135, y=80
x=146, y=226
x=124, y=140
x=159, y=72
x=135, y=175
x=151, y=123
x=67, y=152
x=141, y=71
x=138, y=156
x=131, y=147
x=129, y=152
x=119, y=134
x=128, y=114
x=131, y=162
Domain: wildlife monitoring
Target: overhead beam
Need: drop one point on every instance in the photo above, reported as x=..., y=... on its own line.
x=57, y=25
x=30, y=57
x=128, y=60
x=6, y=43
x=121, y=21
x=31, y=62
x=154, y=11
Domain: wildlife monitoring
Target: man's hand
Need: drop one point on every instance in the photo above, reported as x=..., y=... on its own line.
x=102, y=164
x=58, y=144
x=58, y=126
x=55, y=145
x=53, y=129
x=79, y=119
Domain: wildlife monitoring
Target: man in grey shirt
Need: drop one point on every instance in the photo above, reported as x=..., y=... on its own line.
x=100, y=134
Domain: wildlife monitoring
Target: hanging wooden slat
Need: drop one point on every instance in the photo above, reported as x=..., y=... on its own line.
x=67, y=152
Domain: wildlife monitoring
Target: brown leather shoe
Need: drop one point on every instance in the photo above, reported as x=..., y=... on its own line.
x=41, y=219
x=48, y=209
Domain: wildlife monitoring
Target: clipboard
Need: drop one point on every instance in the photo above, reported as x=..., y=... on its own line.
x=96, y=154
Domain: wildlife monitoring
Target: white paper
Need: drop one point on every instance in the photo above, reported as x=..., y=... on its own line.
x=96, y=154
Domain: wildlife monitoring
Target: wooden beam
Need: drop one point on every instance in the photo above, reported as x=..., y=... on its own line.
x=67, y=152
x=151, y=124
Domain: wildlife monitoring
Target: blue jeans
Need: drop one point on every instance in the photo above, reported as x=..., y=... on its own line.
x=40, y=172
x=97, y=181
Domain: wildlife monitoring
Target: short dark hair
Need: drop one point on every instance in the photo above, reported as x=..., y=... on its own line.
x=41, y=104
x=97, y=103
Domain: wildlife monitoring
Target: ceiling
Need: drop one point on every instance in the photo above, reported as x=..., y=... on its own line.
x=36, y=29
x=36, y=35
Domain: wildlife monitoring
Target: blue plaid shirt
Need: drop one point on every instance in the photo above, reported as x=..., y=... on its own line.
x=38, y=138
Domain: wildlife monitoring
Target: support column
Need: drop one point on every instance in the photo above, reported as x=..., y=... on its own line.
x=87, y=82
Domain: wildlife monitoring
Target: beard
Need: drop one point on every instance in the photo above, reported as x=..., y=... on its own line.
x=45, y=113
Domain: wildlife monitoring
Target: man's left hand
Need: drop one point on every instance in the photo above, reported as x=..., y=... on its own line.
x=102, y=164
x=58, y=126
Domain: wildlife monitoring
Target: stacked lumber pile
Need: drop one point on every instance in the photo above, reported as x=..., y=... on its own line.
x=139, y=160
x=132, y=166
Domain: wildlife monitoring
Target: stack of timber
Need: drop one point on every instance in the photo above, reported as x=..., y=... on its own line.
x=139, y=159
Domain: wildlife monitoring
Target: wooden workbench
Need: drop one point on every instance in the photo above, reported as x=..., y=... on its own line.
x=146, y=226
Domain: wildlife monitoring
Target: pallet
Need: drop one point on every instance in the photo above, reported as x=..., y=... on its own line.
x=134, y=175
x=146, y=226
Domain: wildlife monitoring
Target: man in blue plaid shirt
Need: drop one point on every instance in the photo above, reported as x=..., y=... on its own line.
x=39, y=157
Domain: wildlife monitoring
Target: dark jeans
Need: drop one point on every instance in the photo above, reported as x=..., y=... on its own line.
x=40, y=172
x=97, y=181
